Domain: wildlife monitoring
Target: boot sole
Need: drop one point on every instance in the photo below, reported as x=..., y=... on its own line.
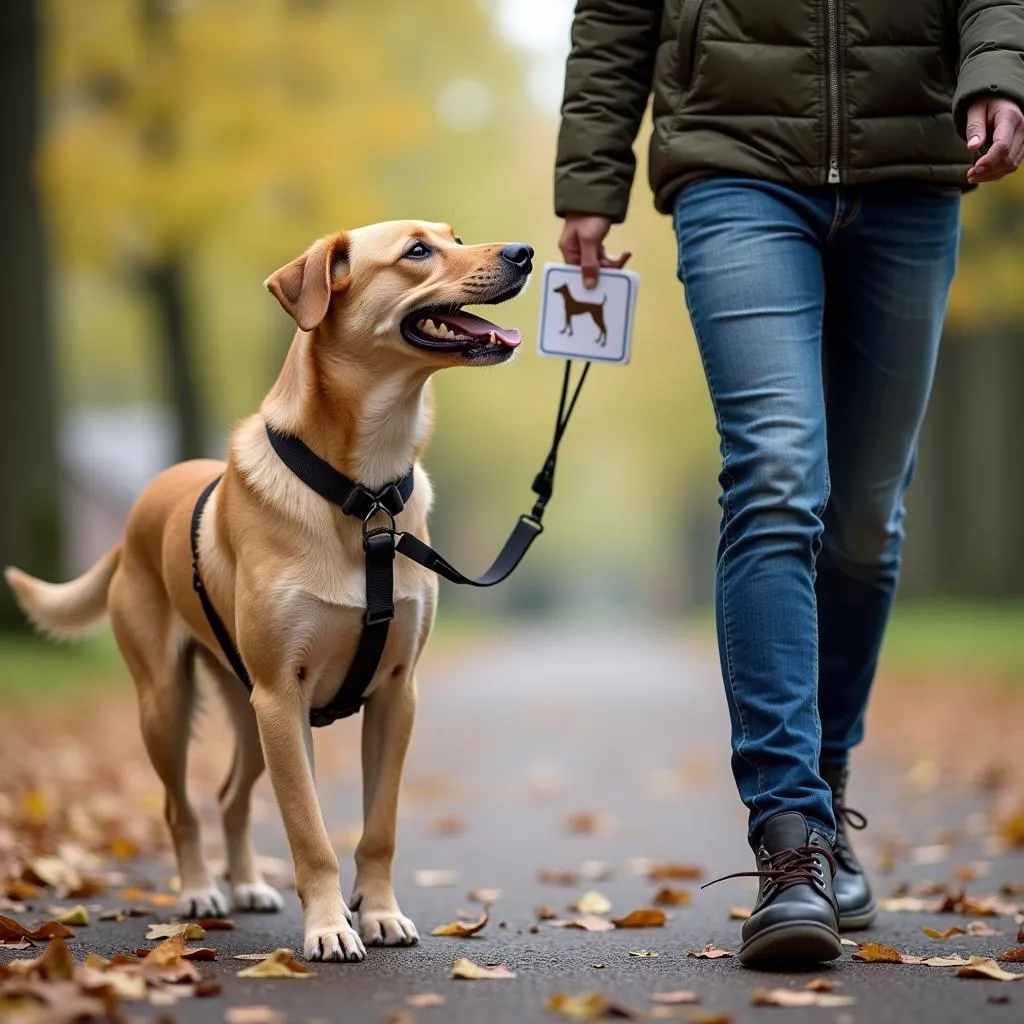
x=855, y=920
x=792, y=941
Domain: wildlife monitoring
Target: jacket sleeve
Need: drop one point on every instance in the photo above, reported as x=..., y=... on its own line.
x=607, y=83
x=991, y=53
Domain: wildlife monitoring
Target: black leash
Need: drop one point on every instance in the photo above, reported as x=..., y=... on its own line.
x=380, y=544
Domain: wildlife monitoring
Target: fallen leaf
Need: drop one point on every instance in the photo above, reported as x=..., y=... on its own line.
x=643, y=953
x=1011, y=889
x=487, y=896
x=788, y=998
x=55, y=873
x=588, y=1006
x=666, y=896
x=592, y=903
x=77, y=916
x=250, y=956
x=949, y=933
x=667, y=871
x=54, y=964
x=14, y=930
x=739, y=913
x=15, y=944
x=936, y=961
x=680, y=997
x=433, y=878
x=1012, y=956
x=425, y=999
x=820, y=985
x=596, y=871
x=906, y=905
x=1012, y=829
x=208, y=987
x=972, y=872
x=546, y=913
x=189, y=929
x=189, y=953
x=19, y=889
x=876, y=953
x=987, y=906
x=447, y=825
x=709, y=952
x=1020, y=935
x=558, y=876
x=280, y=964
x=981, y=930
x=216, y=924
x=643, y=918
x=168, y=952
x=400, y=1017
x=161, y=899
x=708, y=1017
x=462, y=929
x=467, y=970
x=253, y=1015
x=984, y=967
x=589, y=823
x=848, y=942
x=588, y=923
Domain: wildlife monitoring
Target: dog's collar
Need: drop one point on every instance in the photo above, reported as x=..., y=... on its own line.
x=353, y=499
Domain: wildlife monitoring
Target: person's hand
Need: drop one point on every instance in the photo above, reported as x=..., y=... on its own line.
x=1003, y=121
x=582, y=245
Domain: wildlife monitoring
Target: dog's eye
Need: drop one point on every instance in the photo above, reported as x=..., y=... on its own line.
x=418, y=251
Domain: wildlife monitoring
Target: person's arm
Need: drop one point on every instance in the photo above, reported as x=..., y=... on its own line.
x=989, y=102
x=607, y=82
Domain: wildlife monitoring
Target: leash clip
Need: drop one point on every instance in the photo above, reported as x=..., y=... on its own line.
x=374, y=531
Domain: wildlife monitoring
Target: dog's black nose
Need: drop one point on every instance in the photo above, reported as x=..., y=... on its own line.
x=518, y=255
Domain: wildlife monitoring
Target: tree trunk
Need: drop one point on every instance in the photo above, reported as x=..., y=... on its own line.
x=167, y=287
x=29, y=471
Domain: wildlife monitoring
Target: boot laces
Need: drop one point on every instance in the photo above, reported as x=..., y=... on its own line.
x=847, y=817
x=787, y=868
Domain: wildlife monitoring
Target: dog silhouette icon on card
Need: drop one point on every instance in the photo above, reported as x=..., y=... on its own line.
x=576, y=307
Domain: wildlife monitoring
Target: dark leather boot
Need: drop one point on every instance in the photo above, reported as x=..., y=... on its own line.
x=856, y=904
x=795, y=918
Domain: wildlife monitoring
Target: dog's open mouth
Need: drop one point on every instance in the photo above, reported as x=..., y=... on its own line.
x=456, y=331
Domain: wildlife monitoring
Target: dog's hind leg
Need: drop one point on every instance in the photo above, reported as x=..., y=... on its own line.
x=163, y=667
x=387, y=726
x=249, y=890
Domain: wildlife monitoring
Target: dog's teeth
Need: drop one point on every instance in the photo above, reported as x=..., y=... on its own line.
x=429, y=328
x=442, y=331
x=490, y=335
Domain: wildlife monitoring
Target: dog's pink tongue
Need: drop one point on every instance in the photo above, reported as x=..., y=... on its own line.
x=478, y=327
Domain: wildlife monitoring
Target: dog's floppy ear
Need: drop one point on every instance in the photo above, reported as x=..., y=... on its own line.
x=304, y=287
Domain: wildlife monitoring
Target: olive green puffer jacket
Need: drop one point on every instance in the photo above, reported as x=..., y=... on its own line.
x=804, y=92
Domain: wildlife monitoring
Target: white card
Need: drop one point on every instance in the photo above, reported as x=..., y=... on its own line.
x=587, y=323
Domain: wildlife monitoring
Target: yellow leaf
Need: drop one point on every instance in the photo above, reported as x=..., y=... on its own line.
x=188, y=929
x=593, y=903
x=462, y=929
x=280, y=964
x=876, y=953
x=641, y=919
x=985, y=967
x=788, y=998
x=467, y=970
x=666, y=896
x=949, y=933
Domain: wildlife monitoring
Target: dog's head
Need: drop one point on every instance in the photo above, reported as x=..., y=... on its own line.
x=400, y=287
x=563, y=289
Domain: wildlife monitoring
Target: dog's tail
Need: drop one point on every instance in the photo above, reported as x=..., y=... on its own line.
x=65, y=610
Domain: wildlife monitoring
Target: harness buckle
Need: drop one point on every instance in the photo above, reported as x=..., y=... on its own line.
x=371, y=531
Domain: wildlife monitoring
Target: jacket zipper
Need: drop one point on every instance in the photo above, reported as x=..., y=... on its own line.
x=833, y=90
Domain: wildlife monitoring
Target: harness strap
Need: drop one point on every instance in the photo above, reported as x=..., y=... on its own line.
x=380, y=545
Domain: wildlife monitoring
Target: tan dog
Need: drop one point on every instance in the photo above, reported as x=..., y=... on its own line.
x=378, y=311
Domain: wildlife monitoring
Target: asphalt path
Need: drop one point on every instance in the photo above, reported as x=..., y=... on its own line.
x=627, y=730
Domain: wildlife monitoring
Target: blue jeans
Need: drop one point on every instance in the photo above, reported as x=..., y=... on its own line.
x=818, y=315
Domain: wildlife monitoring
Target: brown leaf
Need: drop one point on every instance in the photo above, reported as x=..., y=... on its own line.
x=876, y=953
x=19, y=889
x=666, y=896
x=467, y=970
x=558, y=876
x=280, y=964
x=462, y=929
x=987, y=906
x=1012, y=829
x=1020, y=934
x=588, y=1006
x=643, y=918
x=208, y=987
x=588, y=923
x=168, y=952
x=400, y=1017
x=981, y=930
x=425, y=999
x=592, y=903
x=253, y=1015
x=546, y=913
x=949, y=933
x=216, y=924
x=1011, y=889
x=820, y=985
x=487, y=896
x=669, y=871
x=589, y=823
x=11, y=929
x=680, y=997
x=788, y=998
x=739, y=913
x=189, y=929
x=708, y=1017
x=709, y=952
x=1014, y=955
x=984, y=967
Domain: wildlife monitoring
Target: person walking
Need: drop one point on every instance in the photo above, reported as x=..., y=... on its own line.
x=812, y=154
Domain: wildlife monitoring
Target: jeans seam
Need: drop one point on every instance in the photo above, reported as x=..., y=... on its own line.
x=727, y=509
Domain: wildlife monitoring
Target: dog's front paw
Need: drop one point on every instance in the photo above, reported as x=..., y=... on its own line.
x=333, y=944
x=387, y=928
x=256, y=897
x=207, y=902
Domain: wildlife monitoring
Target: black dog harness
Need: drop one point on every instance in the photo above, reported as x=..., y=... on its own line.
x=380, y=544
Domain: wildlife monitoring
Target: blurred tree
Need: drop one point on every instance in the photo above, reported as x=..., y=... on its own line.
x=29, y=505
